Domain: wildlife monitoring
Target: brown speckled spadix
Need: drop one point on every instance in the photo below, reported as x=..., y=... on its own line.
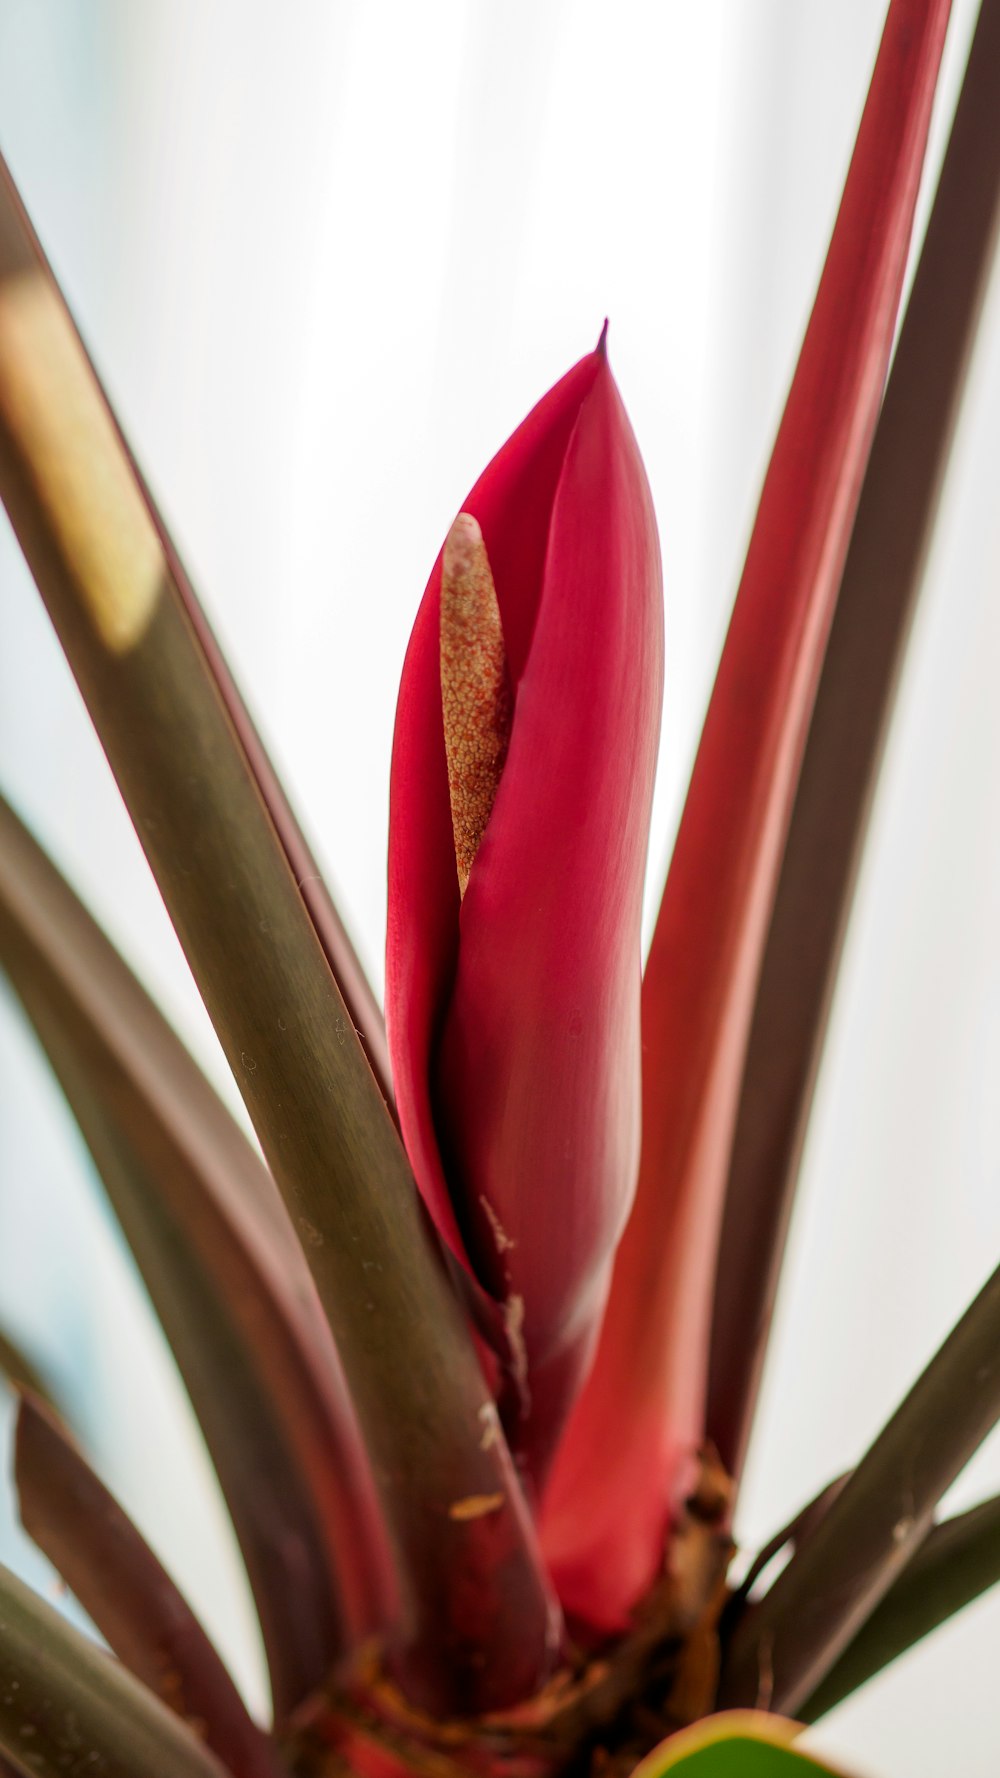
x=475, y=688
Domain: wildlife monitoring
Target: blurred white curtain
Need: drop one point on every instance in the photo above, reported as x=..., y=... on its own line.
x=327, y=255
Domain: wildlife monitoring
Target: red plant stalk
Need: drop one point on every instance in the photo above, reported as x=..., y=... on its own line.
x=513, y=1011
x=627, y=1452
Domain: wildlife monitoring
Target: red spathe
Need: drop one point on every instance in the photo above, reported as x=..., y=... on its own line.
x=514, y=1015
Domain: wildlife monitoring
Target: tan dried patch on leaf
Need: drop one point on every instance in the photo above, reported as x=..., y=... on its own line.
x=475, y=1506
x=501, y=1240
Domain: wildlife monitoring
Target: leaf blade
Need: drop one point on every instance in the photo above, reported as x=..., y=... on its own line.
x=21, y=1372
x=101, y=1556
x=785, y=1645
x=74, y=1705
x=236, y=905
x=957, y=1563
x=362, y=1006
x=226, y=1277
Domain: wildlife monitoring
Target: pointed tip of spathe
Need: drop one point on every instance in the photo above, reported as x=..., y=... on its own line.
x=602, y=345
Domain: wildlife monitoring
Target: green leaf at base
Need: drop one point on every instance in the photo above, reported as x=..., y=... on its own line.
x=735, y=1744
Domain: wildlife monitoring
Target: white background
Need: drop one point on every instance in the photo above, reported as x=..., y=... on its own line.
x=327, y=255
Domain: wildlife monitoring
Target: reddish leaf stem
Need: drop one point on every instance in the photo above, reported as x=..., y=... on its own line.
x=881, y=581
x=613, y=1492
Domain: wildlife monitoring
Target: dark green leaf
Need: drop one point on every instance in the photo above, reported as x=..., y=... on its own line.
x=101, y=1556
x=784, y=1647
x=959, y=1561
x=227, y=1278
x=112, y=591
x=365, y=1012
x=68, y=1710
x=881, y=580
